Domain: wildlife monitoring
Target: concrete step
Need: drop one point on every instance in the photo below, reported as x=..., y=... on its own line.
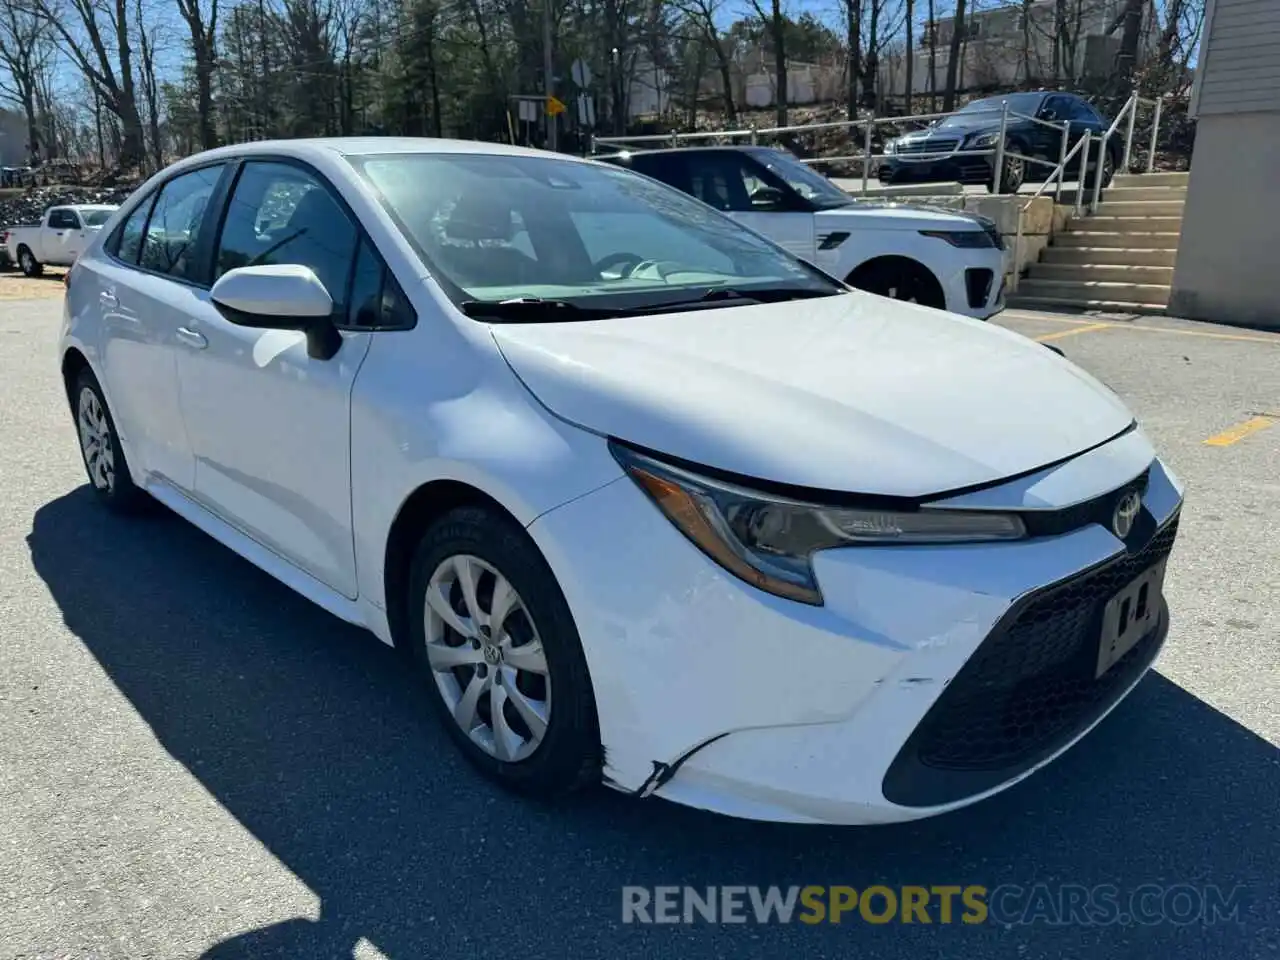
x=1140, y=208
x=1101, y=272
x=1059, y=304
x=1132, y=239
x=1110, y=256
x=1170, y=179
x=1149, y=293
x=1127, y=194
x=1109, y=224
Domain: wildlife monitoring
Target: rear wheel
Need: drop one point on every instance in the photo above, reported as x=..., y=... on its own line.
x=1013, y=173
x=493, y=635
x=28, y=263
x=900, y=279
x=104, y=459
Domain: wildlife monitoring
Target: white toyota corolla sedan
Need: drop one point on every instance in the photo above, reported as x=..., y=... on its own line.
x=644, y=498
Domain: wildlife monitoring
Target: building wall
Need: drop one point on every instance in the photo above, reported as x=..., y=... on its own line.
x=1231, y=225
x=1226, y=266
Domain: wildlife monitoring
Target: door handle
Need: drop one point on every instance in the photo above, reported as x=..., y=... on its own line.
x=191, y=338
x=108, y=299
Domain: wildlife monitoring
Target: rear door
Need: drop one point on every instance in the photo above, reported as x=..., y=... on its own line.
x=149, y=284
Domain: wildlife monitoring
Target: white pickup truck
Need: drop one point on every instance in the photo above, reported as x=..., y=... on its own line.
x=58, y=238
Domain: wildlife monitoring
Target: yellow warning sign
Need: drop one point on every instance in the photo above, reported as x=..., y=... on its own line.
x=555, y=107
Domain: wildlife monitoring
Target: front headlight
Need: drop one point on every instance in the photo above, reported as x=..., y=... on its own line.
x=768, y=541
x=965, y=239
x=891, y=146
x=984, y=140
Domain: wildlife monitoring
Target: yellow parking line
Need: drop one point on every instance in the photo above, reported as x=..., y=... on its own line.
x=1239, y=431
x=1071, y=333
x=1091, y=324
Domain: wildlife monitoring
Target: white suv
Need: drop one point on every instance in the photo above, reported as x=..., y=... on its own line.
x=642, y=497
x=940, y=258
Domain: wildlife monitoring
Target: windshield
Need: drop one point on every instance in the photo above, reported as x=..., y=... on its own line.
x=979, y=111
x=814, y=187
x=499, y=228
x=95, y=218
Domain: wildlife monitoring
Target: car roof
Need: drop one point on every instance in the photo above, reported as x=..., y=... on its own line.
x=717, y=148
x=310, y=148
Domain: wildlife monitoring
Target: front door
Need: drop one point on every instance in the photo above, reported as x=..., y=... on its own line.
x=63, y=239
x=270, y=425
x=736, y=185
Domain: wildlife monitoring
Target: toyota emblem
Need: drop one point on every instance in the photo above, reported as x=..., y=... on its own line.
x=1126, y=513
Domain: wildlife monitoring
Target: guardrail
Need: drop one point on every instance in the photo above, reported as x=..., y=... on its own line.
x=867, y=127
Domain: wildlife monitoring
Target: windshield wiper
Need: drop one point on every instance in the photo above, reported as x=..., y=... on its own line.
x=530, y=310
x=764, y=295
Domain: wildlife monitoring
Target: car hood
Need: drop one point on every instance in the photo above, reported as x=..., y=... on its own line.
x=896, y=216
x=847, y=393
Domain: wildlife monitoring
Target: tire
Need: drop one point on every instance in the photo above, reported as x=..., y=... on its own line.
x=100, y=449
x=456, y=659
x=1108, y=169
x=1014, y=172
x=28, y=263
x=902, y=280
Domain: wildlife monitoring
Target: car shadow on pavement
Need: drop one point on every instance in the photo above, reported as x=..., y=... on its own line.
x=314, y=736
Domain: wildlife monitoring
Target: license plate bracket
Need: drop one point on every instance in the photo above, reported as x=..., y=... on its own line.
x=1129, y=616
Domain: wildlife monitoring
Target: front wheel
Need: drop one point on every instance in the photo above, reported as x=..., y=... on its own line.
x=492, y=633
x=903, y=280
x=27, y=261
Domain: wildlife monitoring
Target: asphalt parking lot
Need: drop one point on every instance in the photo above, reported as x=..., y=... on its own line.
x=196, y=762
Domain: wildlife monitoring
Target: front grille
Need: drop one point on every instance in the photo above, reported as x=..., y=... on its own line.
x=977, y=283
x=1028, y=689
x=927, y=146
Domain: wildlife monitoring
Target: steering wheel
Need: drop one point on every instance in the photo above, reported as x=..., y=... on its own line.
x=628, y=262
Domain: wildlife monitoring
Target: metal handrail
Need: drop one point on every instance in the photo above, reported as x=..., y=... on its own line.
x=867, y=125
x=1057, y=176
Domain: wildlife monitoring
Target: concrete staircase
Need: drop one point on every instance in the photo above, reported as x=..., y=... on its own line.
x=1121, y=258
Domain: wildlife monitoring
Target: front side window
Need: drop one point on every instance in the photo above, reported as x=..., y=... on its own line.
x=63, y=220
x=280, y=213
x=97, y=218
x=169, y=245
x=811, y=185
x=495, y=228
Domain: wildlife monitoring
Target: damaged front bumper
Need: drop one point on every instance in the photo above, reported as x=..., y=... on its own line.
x=718, y=696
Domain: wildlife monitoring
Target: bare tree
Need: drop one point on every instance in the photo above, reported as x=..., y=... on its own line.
x=85, y=38
x=1127, y=58
x=703, y=16
x=202, y=25
x=25, y=52
x=150, y=86
x=775, y=24
x=932, y=39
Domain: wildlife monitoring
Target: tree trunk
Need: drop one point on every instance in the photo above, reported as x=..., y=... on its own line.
x=933, y=59
x=871, y=59
x=778, y=25
x=853, y=27
x=953, y=62
x=911, y=12
x=1127, y=58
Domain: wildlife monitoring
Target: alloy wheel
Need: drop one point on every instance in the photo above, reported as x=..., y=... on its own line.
x=486, y=657
x=95, y=441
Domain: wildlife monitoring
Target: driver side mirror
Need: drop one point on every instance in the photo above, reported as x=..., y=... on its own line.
x=768, y=198
x=284, y=296
x=1048, y=113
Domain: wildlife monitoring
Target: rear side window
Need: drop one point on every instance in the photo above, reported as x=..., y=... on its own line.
x=129, y=239
x=170, y=241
